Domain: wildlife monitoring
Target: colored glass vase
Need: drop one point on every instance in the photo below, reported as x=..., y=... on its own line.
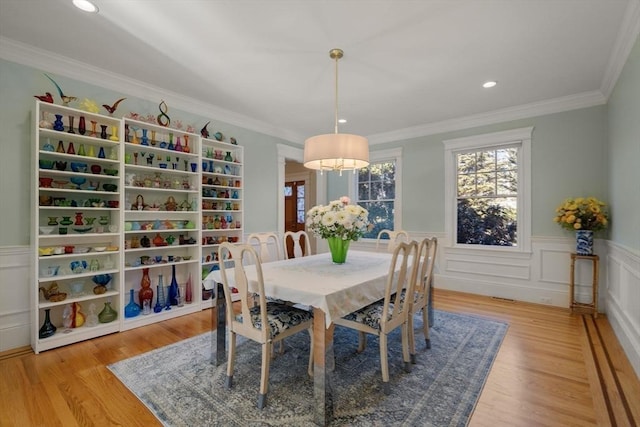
x=338, y=249
x=71, y=124
x=160, y=301
x=47, y=329
x=114, y=133
x=58, y=124
x=174, y=292
x=82, y=126
x=132, y=309
x=186, y=148
x=108, y=314
x=146, y=293
x=48, y=146
x=188, y=292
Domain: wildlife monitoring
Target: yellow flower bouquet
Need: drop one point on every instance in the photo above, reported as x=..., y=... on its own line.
x=582, y=213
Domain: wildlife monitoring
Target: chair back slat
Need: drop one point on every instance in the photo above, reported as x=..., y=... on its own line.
x=404, y=278
x=295, y=237
x=427, y=257
x=267, y=245
x=234, y=272
x=395, y=237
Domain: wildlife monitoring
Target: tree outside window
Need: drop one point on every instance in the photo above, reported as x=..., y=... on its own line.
x=487, y=197
x=376, y=189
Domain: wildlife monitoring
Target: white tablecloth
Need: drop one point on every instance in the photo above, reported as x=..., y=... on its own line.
x=336, y=289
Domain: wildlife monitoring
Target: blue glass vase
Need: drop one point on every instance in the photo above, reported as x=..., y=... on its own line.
x=132, y=309
x=174, y=292
x=160, y=301
x=57, y=124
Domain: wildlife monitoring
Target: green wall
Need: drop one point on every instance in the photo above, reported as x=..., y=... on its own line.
x=624, y=154
x=568, y=160
x=574, y=153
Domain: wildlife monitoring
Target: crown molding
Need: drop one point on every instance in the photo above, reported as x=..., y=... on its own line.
x=31, y=56
x=551, y=106
x=38, y=58
x=627, y=37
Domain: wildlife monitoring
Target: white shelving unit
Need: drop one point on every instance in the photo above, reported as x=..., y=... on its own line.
x=161, y=216
x=75, y=221
x=222, y=200
x=117, y=196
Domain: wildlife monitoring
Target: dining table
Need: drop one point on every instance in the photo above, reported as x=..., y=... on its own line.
x=330, y=290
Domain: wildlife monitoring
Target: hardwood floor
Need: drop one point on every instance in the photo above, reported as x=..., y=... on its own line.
x=553, y=369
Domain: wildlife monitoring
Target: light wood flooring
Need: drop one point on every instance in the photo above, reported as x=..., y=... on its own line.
x=553, y=369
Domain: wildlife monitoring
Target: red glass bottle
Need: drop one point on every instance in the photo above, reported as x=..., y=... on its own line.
x=146, y=293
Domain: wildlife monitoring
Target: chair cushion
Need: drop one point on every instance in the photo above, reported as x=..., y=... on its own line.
x=403, y=296
x=280, y=317
x=370, y=315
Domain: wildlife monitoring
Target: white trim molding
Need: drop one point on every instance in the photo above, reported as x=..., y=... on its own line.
x=622, y=296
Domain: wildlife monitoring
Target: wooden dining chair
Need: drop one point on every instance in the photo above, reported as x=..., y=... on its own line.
x=394, y=237
x=265, y=323
x=295, y=238
x=388, y=314
x=422, y=293
x=268, y=244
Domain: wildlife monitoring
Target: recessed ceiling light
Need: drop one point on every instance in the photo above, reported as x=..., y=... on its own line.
x=85, y=5
x=489, y=84
x=342, y=120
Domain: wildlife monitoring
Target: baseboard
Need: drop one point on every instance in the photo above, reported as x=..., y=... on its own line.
x=525, y=293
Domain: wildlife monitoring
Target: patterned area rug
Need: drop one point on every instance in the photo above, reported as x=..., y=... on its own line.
x=182, y=388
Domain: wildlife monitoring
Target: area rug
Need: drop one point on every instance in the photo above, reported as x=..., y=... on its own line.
x=181, y=387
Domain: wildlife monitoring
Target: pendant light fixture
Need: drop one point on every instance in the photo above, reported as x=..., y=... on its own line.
x=336, y=151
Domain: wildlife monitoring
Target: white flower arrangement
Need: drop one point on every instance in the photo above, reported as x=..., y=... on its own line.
x=338, y=219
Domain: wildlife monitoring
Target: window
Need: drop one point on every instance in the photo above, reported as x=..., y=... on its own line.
x=488, y=190
x=378, y=190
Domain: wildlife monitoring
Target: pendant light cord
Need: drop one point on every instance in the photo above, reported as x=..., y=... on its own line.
x=336, y=101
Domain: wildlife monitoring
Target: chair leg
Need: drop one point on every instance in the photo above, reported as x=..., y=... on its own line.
x=231, y=359
x=404, y=329
x=310, y=368
x=384, y=364
x=277, y=350
x=412, y=339
x=425, y=326
x=264, y=377
x=362, y=341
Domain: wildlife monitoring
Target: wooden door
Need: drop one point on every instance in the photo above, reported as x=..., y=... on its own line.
x=294, y=209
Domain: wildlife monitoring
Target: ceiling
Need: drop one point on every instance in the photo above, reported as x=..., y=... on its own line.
x=409, y=66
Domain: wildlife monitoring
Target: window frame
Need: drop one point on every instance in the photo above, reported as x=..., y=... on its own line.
x=392, y=154
x=520, y=138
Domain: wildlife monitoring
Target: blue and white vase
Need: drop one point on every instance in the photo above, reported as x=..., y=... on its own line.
x=584, y=242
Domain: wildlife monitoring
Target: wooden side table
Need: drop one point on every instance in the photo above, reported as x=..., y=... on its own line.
x=593, y=305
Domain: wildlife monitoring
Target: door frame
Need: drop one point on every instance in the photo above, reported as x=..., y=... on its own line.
x=297, y=155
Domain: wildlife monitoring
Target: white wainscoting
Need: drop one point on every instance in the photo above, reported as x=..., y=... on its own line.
x=540, y=277
x=15, y=318
x=622, y=293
